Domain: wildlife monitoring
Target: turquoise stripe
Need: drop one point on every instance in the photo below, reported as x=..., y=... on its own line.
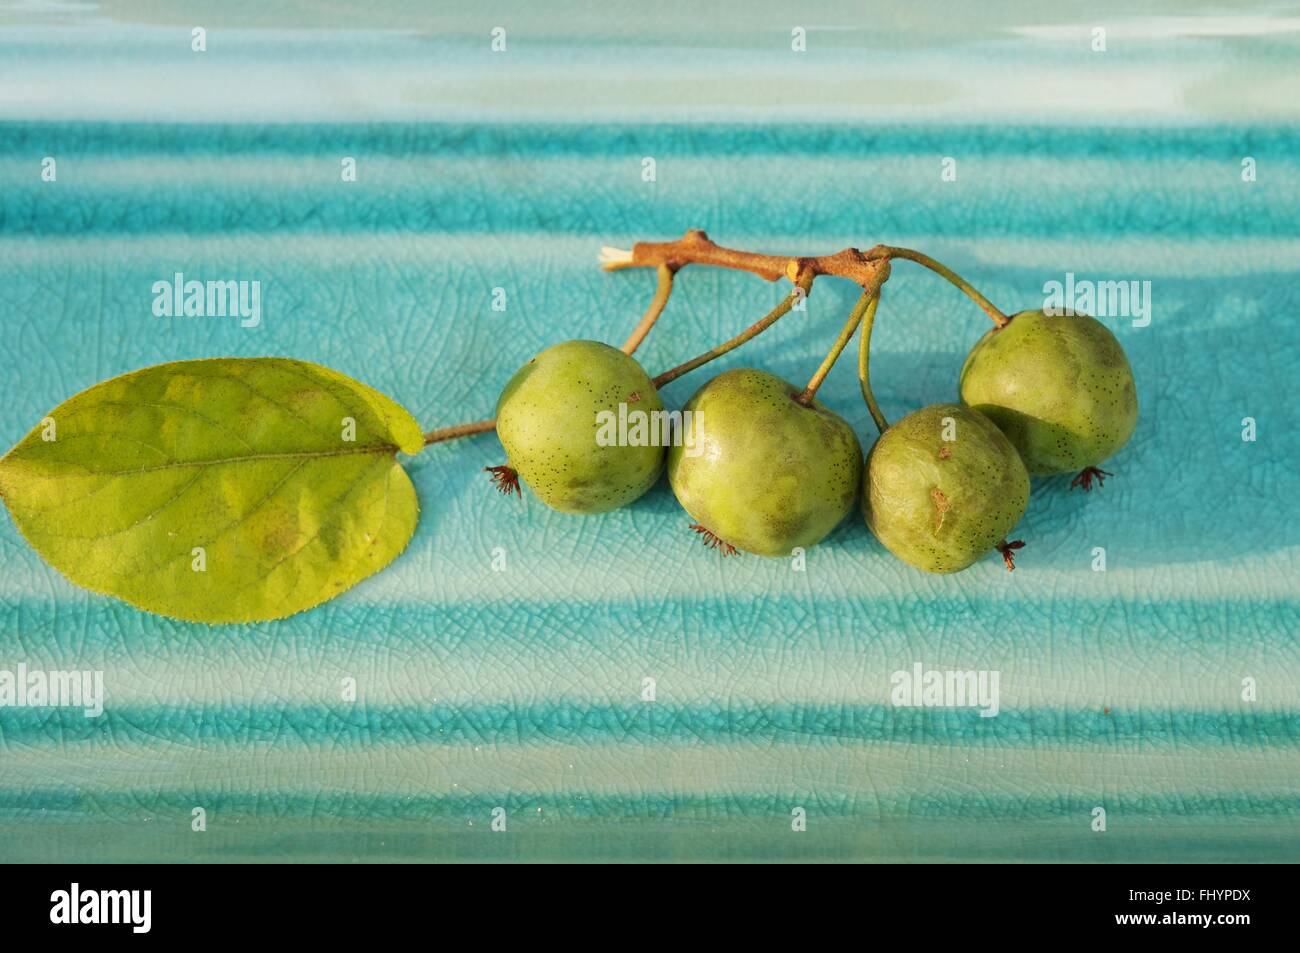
x=503, y=724
x=526, y=808
x=543, y=140
x=61, y=838
x=450, y=201
x=87, y=631
x=256, y=183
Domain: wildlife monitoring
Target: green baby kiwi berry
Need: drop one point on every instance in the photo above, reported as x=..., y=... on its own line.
x=558, y=421
x=1058, y=386
x=943, y=486
x=760, y=471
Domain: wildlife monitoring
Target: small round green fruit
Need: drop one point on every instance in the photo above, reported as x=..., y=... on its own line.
x=554, y=420
x=1059, y=387
x=943, y=486
x=759, y=470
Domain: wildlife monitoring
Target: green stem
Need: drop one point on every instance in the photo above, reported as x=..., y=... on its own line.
x=846, y=334
x=864, y=360
x=890, y=251
x=804, y=282
x=662, y=292
x=460, y=430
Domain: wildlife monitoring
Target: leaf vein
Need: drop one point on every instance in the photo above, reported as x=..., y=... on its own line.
x=284, y=408
x=246, y=458
x=182, y=408
x=352, y=487
x=332, y=388
x=242, y=518
x=146, y=517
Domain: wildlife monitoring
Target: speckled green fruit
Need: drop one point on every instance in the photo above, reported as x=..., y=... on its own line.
x=1059, y=387
x=941, y=504
x=761, y=471
x=548, y=419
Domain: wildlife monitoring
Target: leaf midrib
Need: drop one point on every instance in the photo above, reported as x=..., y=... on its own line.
x=250, y=458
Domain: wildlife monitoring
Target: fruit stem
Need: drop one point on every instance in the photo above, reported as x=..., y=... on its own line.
x=846, y=334
x=803, y=285
x=864, y=360
x=695, y=247
x=662, y=292
x=460, y=430
x=891, y=251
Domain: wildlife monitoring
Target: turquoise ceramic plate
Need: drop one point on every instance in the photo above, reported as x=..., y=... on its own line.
x=501, y=664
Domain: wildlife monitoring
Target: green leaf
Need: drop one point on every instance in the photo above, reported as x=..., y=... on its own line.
x=220, y=490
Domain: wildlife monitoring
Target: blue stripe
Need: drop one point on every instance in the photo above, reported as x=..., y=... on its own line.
x=542, y=140
x=649, y=723
x=889, y=173
x=616, y=809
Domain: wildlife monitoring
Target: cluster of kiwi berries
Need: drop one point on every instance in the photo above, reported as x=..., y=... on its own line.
x=764, y=467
